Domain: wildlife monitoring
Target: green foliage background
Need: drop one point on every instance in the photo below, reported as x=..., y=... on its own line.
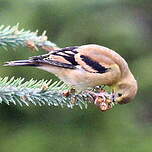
x=123, y=25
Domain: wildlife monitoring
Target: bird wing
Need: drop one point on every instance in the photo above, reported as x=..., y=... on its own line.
x=61, y=58
x=71, y=57
x=93, y=60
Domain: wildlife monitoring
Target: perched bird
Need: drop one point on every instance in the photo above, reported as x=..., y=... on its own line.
x=87, y=66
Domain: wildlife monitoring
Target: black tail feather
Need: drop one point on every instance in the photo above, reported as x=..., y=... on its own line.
x=22, y=63
x=38, y=62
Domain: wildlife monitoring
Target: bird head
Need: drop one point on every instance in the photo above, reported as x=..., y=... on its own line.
x=126, y=89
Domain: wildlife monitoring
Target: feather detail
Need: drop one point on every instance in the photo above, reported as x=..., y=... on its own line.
x=93, y=64
x=21, y=63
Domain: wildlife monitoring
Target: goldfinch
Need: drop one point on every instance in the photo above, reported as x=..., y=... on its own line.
x=87, y=66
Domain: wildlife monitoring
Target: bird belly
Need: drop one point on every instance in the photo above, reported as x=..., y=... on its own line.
x=80, y=78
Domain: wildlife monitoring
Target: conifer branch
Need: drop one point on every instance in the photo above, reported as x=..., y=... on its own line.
x=13, y=37
x=41, y=92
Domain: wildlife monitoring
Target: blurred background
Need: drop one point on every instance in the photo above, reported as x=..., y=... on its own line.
x=124, y=26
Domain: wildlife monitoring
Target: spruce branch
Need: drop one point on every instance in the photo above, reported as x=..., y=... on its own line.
x=13, y=37
x=41, y=92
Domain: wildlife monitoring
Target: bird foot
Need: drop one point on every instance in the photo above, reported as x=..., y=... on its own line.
x=103, y=99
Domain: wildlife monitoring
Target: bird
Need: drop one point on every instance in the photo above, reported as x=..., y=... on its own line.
x=87, y=66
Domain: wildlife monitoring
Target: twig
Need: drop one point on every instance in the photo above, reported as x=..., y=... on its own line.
x=41, y=92
x=13, y=37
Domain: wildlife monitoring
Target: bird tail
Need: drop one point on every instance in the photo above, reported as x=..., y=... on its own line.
x=21, y=63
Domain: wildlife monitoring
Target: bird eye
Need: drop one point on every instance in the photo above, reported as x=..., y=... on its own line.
x=119, y=94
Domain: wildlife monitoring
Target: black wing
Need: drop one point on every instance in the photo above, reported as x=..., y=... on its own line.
x=66, y=54
x=93, y=65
